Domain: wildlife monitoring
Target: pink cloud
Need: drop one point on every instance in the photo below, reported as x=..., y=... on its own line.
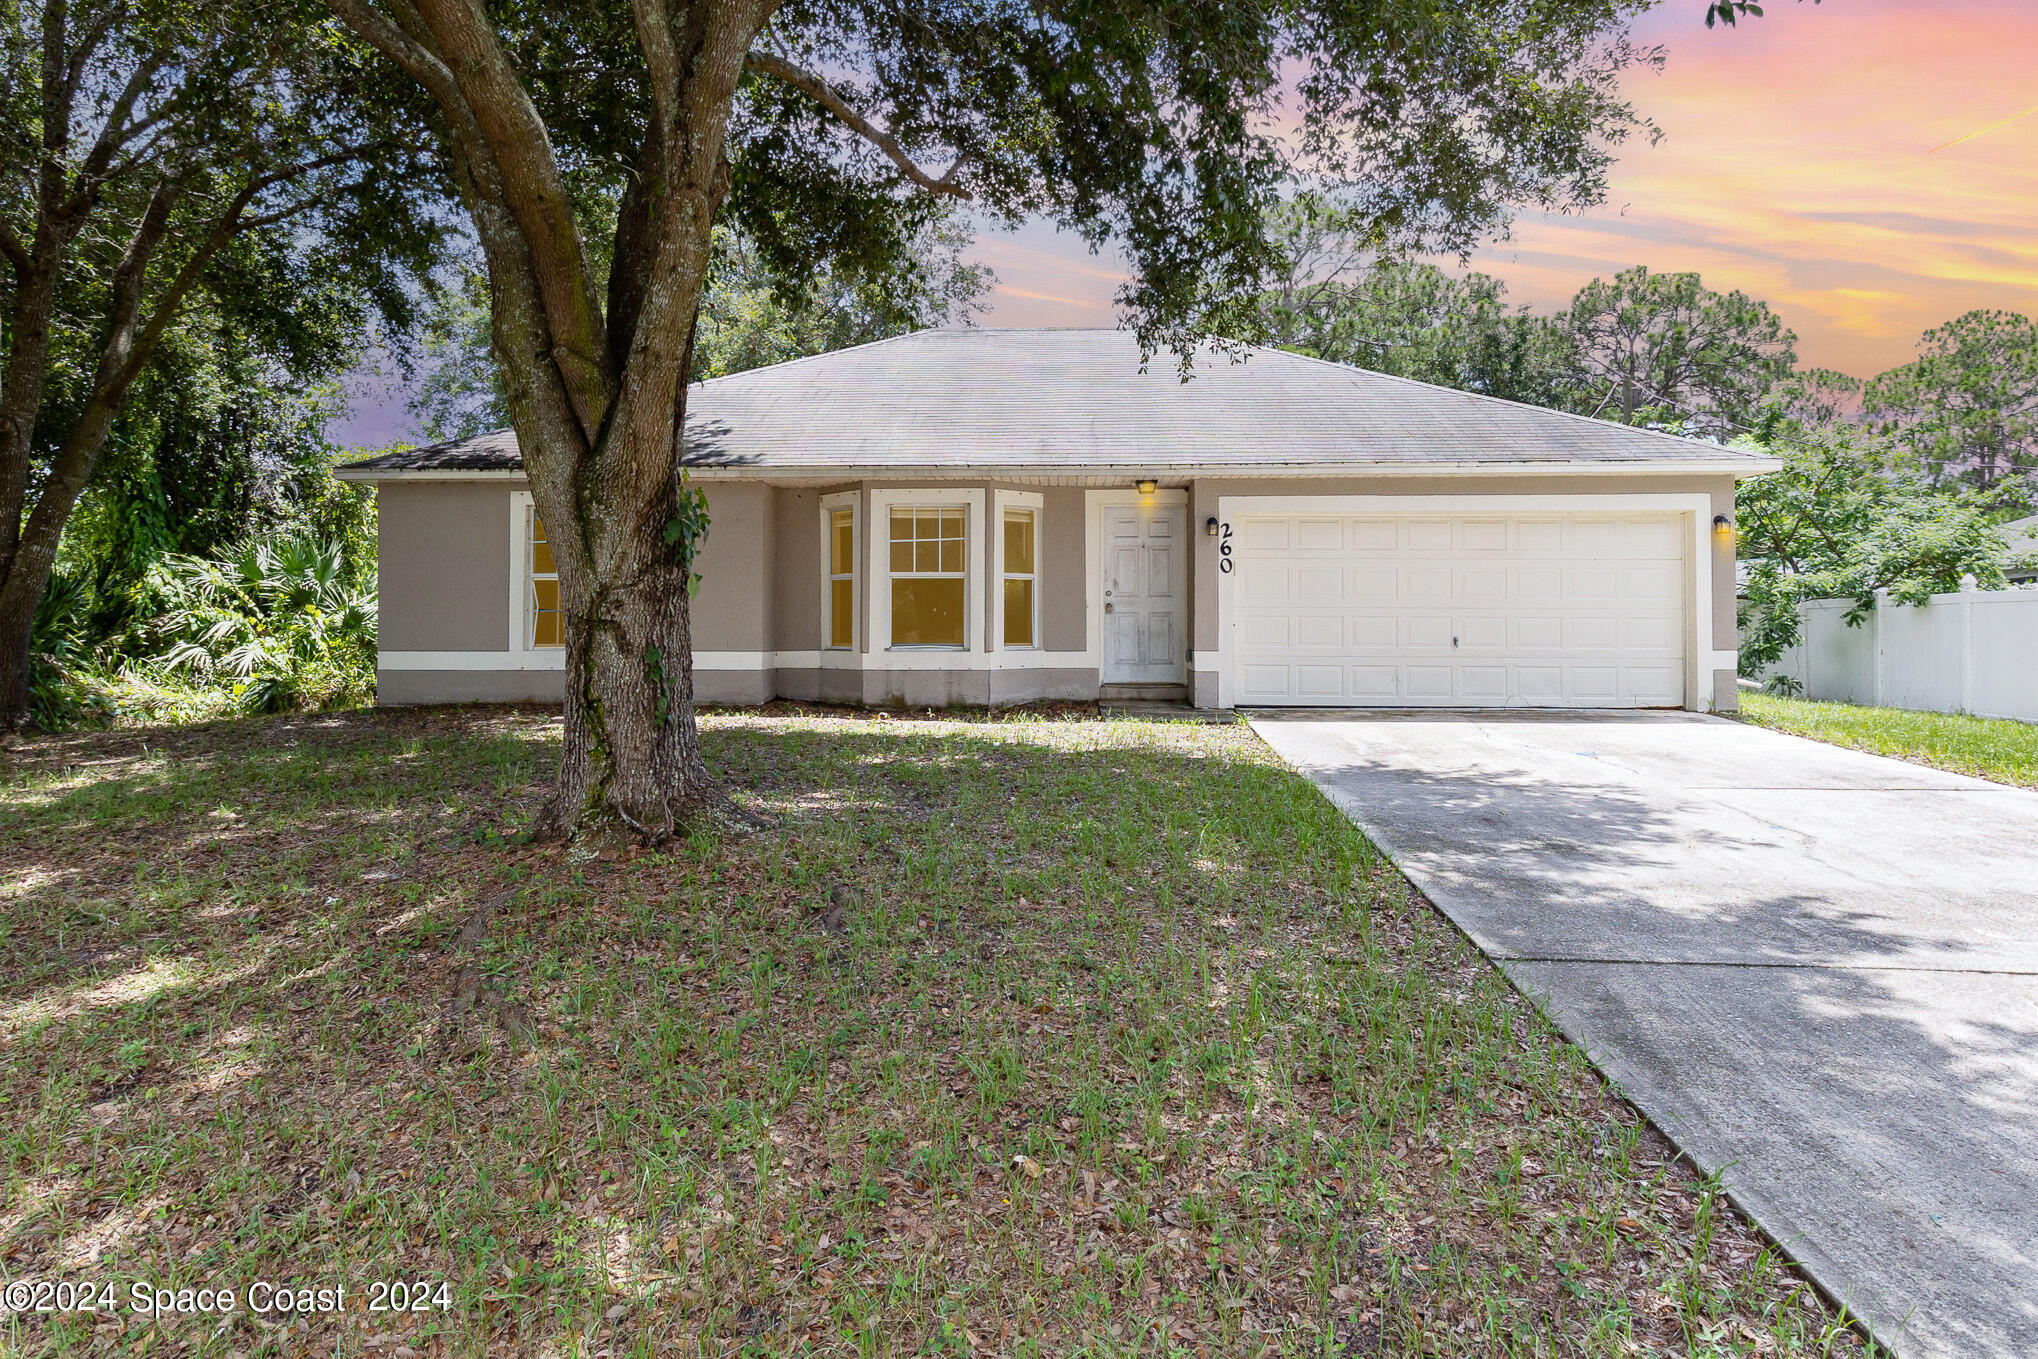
x=1796, y=164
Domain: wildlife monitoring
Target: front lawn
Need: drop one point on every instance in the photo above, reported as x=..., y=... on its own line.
x=1987, y=748
x=1014, y=1037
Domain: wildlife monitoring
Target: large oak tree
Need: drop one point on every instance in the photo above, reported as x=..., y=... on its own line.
x=156, y=154
x=595, y=143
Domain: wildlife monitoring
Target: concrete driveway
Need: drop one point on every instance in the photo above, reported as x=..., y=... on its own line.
x=1816, y=970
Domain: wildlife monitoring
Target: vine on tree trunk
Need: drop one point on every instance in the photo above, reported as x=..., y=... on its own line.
x=686, y=530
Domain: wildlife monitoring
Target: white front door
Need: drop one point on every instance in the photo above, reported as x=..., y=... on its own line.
x=1145, y=630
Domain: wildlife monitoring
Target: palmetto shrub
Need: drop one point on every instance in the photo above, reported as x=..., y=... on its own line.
x=277, y=623
x=63, y=662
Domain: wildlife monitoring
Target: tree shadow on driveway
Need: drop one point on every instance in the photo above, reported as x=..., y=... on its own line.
x=1813, y=968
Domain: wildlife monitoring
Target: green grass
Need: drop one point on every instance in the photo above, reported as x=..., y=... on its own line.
x=1121, y=1041
x=1987, y=748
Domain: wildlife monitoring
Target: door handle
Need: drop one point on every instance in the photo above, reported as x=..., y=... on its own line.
x=1107, y=608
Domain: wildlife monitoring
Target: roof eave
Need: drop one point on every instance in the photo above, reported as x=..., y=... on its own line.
x=368, y=476
x=1734, y=467
x=1737, y=468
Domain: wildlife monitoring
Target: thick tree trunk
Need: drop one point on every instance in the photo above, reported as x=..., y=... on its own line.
x=597, y=396
x=14, y=665
x=632, y=756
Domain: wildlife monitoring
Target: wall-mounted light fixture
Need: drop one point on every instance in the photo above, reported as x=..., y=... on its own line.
x=1722, y=525
x=1210, y=526
x=1147, y=485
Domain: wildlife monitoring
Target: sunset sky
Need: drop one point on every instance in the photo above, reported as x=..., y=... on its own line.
x=1797, y=162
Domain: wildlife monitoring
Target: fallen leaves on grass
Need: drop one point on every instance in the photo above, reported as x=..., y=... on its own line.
x=1020, y=1036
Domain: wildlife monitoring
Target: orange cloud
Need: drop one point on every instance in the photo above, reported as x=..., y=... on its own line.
x=1798, y=163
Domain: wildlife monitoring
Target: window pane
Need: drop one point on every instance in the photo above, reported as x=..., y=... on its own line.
x=841, y=612
x=541, y=550
x=1019, y=542
x=927, y=612
x=1018, y=613
x=951, y=554
x=951, y=524
x=841, y=525
x=902, y=556
x=928, y=524
x=548, y=625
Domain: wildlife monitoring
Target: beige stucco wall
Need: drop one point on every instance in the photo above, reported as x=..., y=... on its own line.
x=443, y=572
x=733, y=609
x=795, y=568
x=445, y=584
x=1064, y=569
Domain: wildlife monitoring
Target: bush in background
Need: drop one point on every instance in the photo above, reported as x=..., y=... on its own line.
x=283, y=619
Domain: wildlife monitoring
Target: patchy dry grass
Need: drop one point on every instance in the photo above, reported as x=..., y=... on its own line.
x=1982, y=747
x=1015, y=1037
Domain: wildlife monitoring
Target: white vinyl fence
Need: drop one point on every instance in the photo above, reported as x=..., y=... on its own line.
x=1972, y=652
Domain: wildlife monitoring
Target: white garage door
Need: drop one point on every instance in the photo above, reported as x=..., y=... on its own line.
x=1559, y=610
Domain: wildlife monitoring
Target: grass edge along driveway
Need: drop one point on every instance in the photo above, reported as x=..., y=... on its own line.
x=1997, y=749
x=1016, y=1036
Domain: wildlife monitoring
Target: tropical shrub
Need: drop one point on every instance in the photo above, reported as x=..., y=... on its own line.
x=278, y=623
x=62, y=662
x=275, y=623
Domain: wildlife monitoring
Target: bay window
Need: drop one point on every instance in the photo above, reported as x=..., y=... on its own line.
x=1020, y=595
x=541, y=573
x=930, y=576
x=841, y=601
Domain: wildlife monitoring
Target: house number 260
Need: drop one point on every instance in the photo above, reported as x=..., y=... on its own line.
x=1224, y=562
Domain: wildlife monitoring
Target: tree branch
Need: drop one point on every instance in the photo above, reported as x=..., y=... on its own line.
x=661, y=58
x=114, y=134
x=381, y=33
x=826, y=96
x=16, y=253
x=529, y=186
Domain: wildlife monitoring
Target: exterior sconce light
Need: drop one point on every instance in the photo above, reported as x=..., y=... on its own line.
x=1147, y=485
x=1722, y=525
x=1210, y=526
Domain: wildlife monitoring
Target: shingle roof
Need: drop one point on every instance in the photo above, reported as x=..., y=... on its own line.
x=1068, y=401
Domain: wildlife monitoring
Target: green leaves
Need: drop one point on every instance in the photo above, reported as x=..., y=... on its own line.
x=1337, y=299
x=687, y=529
x=1967, y=408
x=1837, y=522
x=1663, y=349
x=1727, y=11
x=1649, y=349
x=274, y=619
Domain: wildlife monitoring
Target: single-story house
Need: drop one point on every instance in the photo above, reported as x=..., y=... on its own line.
x=988, y=516
x=2022, y=536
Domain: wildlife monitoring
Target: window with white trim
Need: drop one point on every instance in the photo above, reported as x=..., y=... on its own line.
x=929, y=576
x=840, y=604
x=547, y=625
x=1021, y=595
